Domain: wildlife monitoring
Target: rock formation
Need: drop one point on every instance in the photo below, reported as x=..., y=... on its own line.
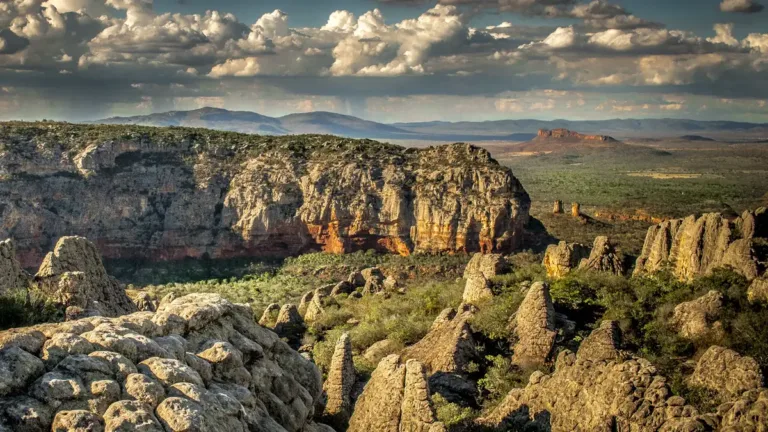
x=603, y=258
x=269, y=316
x=534, y=327
x=693, y=246
x=74, y=276
x=558, y=207
x=338, y=386
x=199, y=363
x=603, y=344
x=379, y=350
x=698, y=318
x=563, y=257
x=12, y=276
x=758, y=291
x=747, y=413
x=587, y=393
x=576, y=210
x=168, y=194
x=567, y=134
x=489, y=265
x=289, y=324
x=449, y=345
x=727, y=373
x=477, y=289
x=396, y=399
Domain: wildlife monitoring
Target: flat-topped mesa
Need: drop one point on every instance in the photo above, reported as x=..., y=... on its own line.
x=169, y=194
x=695, y=246
x=562, y=133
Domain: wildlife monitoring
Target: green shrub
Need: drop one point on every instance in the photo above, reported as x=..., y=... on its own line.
x=501, y=377
x=451, y=414
x=20, y=308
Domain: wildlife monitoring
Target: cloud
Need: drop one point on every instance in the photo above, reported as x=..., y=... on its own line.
x=11, y=43
x=741, y=6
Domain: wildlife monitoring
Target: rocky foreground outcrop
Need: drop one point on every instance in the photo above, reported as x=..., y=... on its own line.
x=596, y=390
x=694, y=246
x=166, y=194
x=200, y=363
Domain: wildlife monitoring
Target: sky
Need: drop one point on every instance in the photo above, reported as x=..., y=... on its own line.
x=386, y=60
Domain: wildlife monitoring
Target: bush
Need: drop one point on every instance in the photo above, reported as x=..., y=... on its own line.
x=500, y=378
x=21, y=308
x=451, y=414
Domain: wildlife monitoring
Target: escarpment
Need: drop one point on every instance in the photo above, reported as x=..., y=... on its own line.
x=694, y=246
x=167, y=194
x=200, y=363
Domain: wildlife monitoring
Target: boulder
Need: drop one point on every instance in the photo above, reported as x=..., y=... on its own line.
x=758, y=291
x=74, y=276
x=381, y=349
x=395, y=399
x=698, y=318
x=477, y=289
x=144, y=301
x=12, y=276
x=489, y=265
x=563, y=257
x=749, y=412
x=602, y=344
x=269, y=317
x=603, y=258
x=534, y=327
x=694, y=246
x=449, y=345
x=245, y=378
x=314, y=308
x=726, y=372
x=338, y=386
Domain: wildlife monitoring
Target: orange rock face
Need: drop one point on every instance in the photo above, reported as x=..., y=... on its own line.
x=191, y=194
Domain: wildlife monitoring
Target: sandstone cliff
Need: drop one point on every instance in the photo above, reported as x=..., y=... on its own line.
x=165, y=194
x=694, y=246
x=199, y=363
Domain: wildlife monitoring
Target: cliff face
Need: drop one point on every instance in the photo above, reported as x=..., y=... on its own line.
x=165, y=194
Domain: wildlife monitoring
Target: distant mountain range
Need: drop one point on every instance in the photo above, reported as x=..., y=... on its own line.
x=501, y=130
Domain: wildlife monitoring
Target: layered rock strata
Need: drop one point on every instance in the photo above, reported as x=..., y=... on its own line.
x=339, y=384
x=694, y=246
x=200, y=363
x=168, y=194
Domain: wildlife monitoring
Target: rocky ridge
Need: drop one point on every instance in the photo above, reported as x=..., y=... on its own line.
x=694, y=246
x=167, y=194
x=200, y=363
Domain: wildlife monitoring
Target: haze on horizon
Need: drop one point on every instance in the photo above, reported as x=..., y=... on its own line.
x=386, y=60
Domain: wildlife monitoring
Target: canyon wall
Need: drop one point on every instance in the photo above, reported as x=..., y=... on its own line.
x=168, y=194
